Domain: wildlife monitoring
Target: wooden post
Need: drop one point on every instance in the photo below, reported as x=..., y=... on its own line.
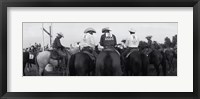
x=43, y=36
x=50, y=36
x=51, y=31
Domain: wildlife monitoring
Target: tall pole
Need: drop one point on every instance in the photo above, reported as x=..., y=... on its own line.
x=50, y=31
x=43, y=36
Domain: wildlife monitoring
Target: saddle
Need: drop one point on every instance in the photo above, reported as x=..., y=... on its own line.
x=88, y=51
x=54, y=55
x=131, y=51
x=109, y=49
x=90, y=55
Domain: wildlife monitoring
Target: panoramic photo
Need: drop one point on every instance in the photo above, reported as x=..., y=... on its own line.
x=99, y=48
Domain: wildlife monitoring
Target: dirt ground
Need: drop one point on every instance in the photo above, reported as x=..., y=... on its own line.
x=31, y=71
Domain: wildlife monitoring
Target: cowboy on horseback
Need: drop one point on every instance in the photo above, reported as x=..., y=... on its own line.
x=83, y=63
x=149, y=45
x=59, y=48
x=131, y=43
x=88, y=45
x=107, y=40
x=108, y=61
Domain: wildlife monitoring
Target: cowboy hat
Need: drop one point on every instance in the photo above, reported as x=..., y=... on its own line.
x=132, y=30
x=149, y=37
x=105, y=29
x=89, y=30
x=60, y=34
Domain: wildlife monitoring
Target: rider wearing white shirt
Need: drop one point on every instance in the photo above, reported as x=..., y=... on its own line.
x=89, y=40
x=132, y=42
x=89, y=44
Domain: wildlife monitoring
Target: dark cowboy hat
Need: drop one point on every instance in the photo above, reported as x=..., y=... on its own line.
x=149, y=37
x=89, y=30
x=105, y=29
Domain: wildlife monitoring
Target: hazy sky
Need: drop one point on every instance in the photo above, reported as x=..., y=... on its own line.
x=73, y=32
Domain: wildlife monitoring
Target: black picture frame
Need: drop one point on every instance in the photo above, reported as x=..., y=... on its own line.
x=99, y=3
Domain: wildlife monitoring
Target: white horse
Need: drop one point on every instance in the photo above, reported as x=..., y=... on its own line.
x=43, y=59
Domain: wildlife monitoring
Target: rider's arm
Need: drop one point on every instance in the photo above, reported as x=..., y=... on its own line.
x=102, y=41
x=127, y=42
x=59, y=44
x=115, y=40
x=93, y=41
x=138, y=41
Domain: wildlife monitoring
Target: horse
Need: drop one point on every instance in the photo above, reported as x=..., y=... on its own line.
x=136, y=63
x=108, y=63
x=157, y=58
x=44, y=58
x=28, y=60
x=82, y=63
x=170, y=55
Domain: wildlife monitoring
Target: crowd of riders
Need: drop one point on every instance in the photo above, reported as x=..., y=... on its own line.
x=107, y=41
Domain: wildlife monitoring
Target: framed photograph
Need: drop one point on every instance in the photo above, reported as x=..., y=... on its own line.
x=108, y=49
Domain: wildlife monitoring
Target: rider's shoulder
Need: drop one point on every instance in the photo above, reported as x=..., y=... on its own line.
x=103, y=35
x=113, y=35
x=56, y=38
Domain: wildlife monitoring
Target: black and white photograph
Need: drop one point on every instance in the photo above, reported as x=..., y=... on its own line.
x=99, y=48
x=108, y=49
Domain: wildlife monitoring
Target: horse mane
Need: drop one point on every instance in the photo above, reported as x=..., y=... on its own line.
x=78, y=62
x=72, y=71
x=108, y=70
x=134, y=57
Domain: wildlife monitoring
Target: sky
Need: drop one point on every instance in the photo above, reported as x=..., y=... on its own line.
x=73, y=32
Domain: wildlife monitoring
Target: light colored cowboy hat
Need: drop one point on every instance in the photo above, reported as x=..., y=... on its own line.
x=60, y=34
x=132, y=30
x=89, y=30
x=149, y=37
x=105, y=29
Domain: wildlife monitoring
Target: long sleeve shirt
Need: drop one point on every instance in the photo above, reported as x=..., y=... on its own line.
x=89, y=40
x=132, y=41
x=109, y=41
x=57, y=44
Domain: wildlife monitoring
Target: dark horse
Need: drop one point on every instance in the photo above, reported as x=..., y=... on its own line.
x=157, y=58
x=170, y=56
x=27, y=61
x=81, y=64
x=136, y=63
x=108, y=63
